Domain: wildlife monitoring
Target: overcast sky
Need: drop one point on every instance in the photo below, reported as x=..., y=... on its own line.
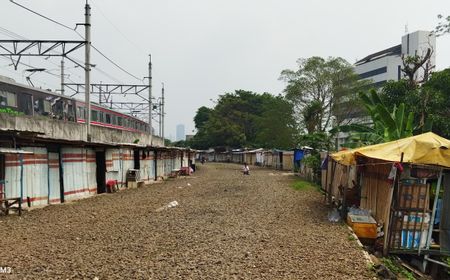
x=204, y=48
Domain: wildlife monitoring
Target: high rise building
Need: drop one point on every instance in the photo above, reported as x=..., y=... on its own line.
x=181, y=135
x=386, y=65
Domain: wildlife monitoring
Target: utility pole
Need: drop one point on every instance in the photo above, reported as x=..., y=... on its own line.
x=150, y=98
x=162, y=115
x=62, y=76
x=159, y=116
x=87, y=69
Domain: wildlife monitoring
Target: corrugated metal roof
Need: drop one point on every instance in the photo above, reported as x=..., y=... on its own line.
x=13, y=151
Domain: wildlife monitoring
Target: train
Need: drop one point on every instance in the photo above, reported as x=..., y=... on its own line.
x=21, y=99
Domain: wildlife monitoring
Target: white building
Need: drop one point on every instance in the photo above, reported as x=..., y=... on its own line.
x=386, y=65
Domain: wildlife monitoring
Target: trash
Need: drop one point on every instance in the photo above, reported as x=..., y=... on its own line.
x=170, y=205
x=188, y=184
x=333, y=216
x=359, y=211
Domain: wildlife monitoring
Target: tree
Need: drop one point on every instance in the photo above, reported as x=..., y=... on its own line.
x=202, y=116
x=245, y=118
x=319, y=88
x=385, y=125
x=443, y=27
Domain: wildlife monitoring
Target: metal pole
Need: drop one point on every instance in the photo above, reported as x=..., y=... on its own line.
x=87, y=69
x=62, y=76
x=162, y=115
x=150, y=98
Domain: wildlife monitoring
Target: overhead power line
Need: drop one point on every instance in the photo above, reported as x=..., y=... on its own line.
x=73, y=29
x=41, y=15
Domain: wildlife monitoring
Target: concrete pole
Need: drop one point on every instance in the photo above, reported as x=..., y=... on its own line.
x=150, y=98
x=159, y=115
x=87, y=69
x=62, y=76
x=162, y=115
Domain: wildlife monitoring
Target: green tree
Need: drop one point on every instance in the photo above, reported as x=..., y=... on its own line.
x=245, y=118
x=385, y=125
x=320, y=89
x=202, y=116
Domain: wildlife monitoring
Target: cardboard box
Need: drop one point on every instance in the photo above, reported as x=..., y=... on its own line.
x=413, y=196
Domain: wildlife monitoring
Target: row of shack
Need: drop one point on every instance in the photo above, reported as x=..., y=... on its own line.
x=288, y=160
x=404, y=185
x=42, y=175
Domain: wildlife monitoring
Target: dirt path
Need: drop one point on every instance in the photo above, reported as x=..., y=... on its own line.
x=226, y=226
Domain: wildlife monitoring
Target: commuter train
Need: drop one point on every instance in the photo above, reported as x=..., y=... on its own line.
x=24, y=100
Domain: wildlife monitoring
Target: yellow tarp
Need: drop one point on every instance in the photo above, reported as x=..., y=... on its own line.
x=427, y=148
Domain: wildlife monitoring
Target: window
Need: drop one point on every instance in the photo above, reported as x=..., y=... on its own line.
x=114, y=119
x=119, y=121
x=8, y=99
x=101, y=116
x=108, y=118
x=94, y=115
x=80, y=113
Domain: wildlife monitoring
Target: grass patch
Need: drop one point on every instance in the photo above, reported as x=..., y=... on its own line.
x=304, y=185
x=392, y=265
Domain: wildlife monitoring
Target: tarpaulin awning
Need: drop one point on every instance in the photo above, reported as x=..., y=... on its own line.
x=426, y=148
x=13, y=151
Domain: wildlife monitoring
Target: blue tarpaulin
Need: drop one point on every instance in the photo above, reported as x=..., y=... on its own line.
x=299, y=155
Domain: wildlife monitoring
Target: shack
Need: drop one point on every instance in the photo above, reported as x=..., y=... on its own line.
x=404, y=185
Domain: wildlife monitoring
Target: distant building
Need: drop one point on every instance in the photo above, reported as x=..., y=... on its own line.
x=181, y=135
x=386, y=65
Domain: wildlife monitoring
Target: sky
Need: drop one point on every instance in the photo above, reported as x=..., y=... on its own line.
x=204, y=48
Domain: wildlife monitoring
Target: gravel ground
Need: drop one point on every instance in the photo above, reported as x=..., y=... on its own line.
x=226, y=226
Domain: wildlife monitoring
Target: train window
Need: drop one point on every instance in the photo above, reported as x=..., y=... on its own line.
x=25, y=103
x=108, y=118
x=42, y=106
x=119, y=121
x=114, y=119
x=101, y=116
x=94, y=115
x=80, y=113
x=8, y=99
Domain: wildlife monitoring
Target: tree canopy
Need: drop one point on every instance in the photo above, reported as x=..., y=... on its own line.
x=245, y=119
x=321, y=89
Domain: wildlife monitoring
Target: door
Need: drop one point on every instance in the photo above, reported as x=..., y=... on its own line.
x=2, y=176
x=137, y=163
x=54, y=183
x=100, y=172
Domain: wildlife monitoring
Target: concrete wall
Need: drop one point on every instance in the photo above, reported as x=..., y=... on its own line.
x=70, y=131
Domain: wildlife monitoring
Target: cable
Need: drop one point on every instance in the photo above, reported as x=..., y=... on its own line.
x=115, y=64
x=14, y=35
x=73, y=29
x=41, y=15
x=118, y=30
